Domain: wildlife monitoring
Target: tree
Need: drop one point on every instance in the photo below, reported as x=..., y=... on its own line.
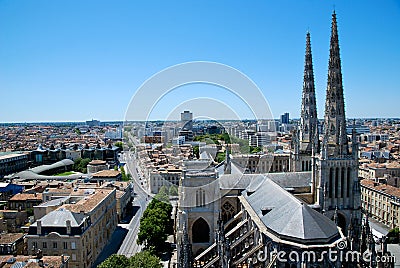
x=173, y=190
x=155, y=225
x=115, y=261
x=80, y=164
x=163, y=194
x=123, y=174
x=152, y=231
x=220, y=157
x=196, y=151
x=119, y=144
x=144, y=259
x=393, y=236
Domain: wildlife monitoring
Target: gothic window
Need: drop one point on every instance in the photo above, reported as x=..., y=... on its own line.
x=200, y=231
x=306, y=129
x=342, y=194
x=306, y=115
x=200, y=198
x=349, y=186
x=337, y=183
x=330, y=185
x=228, y=211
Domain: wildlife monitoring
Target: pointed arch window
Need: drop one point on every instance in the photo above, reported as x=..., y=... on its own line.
x=306, y=129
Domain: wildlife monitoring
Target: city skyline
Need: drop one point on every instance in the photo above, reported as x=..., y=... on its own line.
x=74, y=61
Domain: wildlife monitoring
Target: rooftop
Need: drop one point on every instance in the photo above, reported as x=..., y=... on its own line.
x=58, y=218
x=97, y=162
x=10, y=237
x=388, y=189
x=26, y=197
x=286, y=216
x=12, y=155
x=88, y=203
x=107, y=173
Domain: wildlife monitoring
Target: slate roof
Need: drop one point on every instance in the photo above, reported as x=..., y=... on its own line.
x=291, y=179
x=55, y=202
x=286, y=180
x=58, y=218
x=288, y=217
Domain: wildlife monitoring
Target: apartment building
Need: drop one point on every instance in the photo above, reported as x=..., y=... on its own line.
x=381, y=201
x=10, y=163
x=164, y=177
x=79, y=230
x=376, y=170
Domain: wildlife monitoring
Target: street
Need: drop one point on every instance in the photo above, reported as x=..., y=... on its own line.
x=129, y=246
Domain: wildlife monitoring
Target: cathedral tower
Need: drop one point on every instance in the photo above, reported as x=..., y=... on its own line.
x=336, y=169
x=335, y=119
x=309, y=120
x=303, y=137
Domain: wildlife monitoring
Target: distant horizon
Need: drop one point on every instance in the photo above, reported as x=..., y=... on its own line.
x=178, y=120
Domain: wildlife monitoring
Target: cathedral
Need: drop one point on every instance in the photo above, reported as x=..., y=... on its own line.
x=229, y=218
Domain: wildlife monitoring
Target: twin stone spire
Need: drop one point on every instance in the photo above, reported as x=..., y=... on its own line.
x=334, y=142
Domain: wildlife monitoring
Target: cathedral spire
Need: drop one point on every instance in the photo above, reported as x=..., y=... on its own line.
x=335, y=119
x=309, y=120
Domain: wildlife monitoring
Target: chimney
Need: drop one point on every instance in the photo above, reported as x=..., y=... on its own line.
x=39, y=227
x=68, y=222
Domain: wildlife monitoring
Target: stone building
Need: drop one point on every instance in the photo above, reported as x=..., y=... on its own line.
x=199, y=204
x=12, y=244
x=381, y=202
x=164, y=177
x=78, y=230
x=11, y=163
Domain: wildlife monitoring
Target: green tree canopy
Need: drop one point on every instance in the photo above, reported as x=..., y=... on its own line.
x=144, y=259
x=173, y=190
x=80, y=164
x=120, y=145
x=115, y=261
x=155, y=225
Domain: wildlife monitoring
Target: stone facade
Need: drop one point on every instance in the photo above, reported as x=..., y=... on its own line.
x=83, y=231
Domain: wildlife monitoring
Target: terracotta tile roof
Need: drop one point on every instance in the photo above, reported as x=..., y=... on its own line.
x=10, y=237
x=88, y=203
x=97, y=162
x=26, y=197
x=393, y=165
x=107, y=173
x=388, y=189
x=31, y=261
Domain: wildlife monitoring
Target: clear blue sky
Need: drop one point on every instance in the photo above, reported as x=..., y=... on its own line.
x=76, y=60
